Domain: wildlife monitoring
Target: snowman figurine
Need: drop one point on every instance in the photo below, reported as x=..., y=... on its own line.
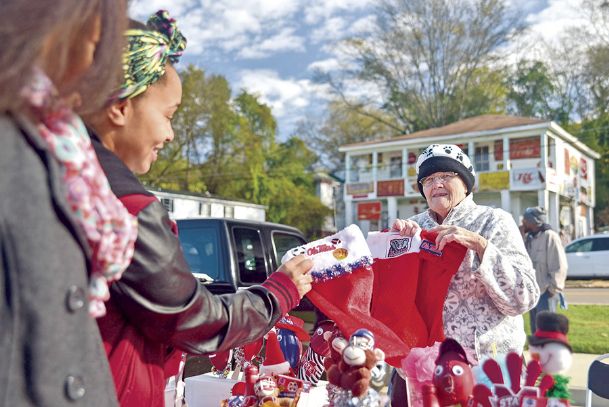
x=550, y=346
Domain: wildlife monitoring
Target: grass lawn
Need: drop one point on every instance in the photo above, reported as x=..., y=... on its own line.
x=588, y=328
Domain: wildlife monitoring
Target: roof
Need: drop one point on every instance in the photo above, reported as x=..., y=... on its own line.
x=206, y=196
x=487, y=122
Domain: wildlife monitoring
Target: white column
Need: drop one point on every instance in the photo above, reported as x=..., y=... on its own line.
x=543, y=139
x=506, y=202
x=553, y=211
x=404, y=162
x=590, y=212
x=347, y=168
x=349, y=206
x=375, y=162
x=543, y=198
x=471, y=152
x=575, y=209
x=507, y=163
x=392, y=209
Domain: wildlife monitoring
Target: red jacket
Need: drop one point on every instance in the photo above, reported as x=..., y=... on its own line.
x=158, y=307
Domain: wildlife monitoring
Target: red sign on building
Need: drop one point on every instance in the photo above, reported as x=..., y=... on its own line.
x=369, y=210
x=529, y=147
x=390, y=188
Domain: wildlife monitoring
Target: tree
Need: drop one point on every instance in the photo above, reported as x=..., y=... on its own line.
x=531, y=90
x=343, y=125
x=425, y=56
x=228, y=147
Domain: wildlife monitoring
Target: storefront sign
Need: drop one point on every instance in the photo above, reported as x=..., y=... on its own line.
x=390, y=188
x=552, y=181
x=526, y=179
x=369, y=210
x=360, y=188
x=493, y=181
x=412, y=158
x=583, y=167
x=525, y=148
x=529, y=147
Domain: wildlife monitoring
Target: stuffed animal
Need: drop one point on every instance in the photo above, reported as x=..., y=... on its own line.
x=453, y=377
x=358, y=357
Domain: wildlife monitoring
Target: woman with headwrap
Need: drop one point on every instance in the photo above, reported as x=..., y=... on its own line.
x=158, y=305
x=549, y=260
x=63, y=235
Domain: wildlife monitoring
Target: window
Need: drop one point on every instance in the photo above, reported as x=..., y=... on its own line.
x=600, y=244
x=201, y=251
x=395, y=167
x=580, y=246
x=481, y=159
x=250, y=255
x=168, y=204
x=282, y=242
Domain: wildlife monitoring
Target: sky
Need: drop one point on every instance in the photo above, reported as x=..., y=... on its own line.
x=272, y=47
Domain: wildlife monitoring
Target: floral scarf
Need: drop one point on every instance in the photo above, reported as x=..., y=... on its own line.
x=110, y=230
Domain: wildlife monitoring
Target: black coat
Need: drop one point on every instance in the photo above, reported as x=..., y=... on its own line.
x=51, y=353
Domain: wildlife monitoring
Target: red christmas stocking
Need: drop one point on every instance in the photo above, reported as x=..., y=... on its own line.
x=411, y=278
x=342, y=288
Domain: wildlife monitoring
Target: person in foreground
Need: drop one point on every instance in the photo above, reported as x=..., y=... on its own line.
x=549, y=260
x=158, y=305
x=495, y=283
x=63, y=234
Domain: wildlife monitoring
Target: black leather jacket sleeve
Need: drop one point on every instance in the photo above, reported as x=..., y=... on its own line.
x=158, y=294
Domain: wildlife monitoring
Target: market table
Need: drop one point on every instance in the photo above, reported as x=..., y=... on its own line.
x=208, y=390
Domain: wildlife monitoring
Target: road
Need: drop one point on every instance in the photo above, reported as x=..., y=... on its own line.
x=587, y=295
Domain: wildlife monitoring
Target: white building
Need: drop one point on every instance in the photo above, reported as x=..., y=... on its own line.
x=520, y=162
x=328, y=189
x=181, y=205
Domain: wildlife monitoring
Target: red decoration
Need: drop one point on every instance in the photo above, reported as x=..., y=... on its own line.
x=369, y=210
x=390, y=188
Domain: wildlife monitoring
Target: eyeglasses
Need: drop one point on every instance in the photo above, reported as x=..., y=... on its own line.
x=442, y=178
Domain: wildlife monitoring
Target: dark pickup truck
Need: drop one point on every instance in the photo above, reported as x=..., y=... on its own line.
x=226, y=254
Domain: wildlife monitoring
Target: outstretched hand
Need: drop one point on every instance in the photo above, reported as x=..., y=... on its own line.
x=297, y=269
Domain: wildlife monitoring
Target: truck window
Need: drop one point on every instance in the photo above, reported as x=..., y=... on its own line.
x=201, y=250
x=250, y=255
x=282, y=242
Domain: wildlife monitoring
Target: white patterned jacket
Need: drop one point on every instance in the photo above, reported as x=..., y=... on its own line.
x=486, y=299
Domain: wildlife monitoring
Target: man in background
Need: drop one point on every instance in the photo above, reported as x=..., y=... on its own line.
x=549, y=260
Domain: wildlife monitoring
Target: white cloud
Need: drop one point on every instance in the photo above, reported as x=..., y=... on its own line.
x=555, y=18
x=324, y=65
x=319, y=10
x=283, y=41
x=285, y=96
x=229, y=24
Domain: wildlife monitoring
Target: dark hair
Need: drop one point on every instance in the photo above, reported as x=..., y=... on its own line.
x=27, y=24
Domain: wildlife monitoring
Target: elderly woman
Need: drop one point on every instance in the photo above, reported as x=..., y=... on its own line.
x=495, y=283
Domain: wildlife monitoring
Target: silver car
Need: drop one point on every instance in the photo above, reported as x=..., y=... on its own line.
x=588, y=257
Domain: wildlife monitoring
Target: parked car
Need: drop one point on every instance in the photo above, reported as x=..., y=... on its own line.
x=228, y=254
x=588, y=257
